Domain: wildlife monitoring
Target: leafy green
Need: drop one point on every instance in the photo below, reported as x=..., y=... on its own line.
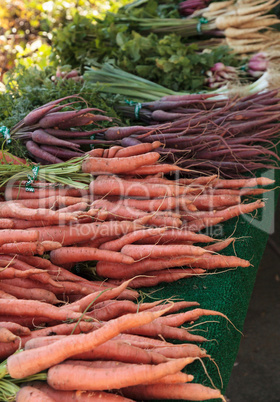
x=165, y=59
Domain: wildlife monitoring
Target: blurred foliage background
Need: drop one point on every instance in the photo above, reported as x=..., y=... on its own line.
x=27, y=26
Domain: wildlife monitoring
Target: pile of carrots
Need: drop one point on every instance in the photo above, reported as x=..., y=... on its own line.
x=112, y=351
x=131, y=223
x=140, y=228
x=102, y=335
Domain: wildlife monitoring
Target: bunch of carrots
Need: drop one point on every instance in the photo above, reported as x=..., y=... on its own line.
x=132, y=220
x=52, y=135
x=234, y=136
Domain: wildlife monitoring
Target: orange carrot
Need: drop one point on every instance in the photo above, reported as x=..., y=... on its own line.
x=183, y=350
x=33, y=308
x=6, y=223
x=156, y=204
x=115, y=350
x=199, y=224
x=31, y=394
x=13, y=210
x=181, y=235
x=120, y=271
x=110, y=378
x=177, y=378
x=156, y=329
x=15, y=328
x=116, y=245
x=116, y=186
x=144, y=341
x=9, y=236
x=165, y=275
x=24, y=224
x=69, y=235
x=138, y=149
x=208, y=202
x=188, y=316
x=6, y=336
x=188, y=391
x=153, y=169
x=68, y=288
x=176, y=306
x=210, y=261
x=35, y=261
x=79, y=206
x=78, y=396
x=220, y=245
x=138, y=252
x=49, y=245
x=26, y=248
x=97, y=243
x=230, y=212
x=26, y=363
x=61, y=329
x=95, y=165
x=41, y=190
x=99, y=296
x=52, y=202
x=119, y=211
x=240, y=183
x=7, y=157
x=112, y=152
x=18, y=263
x=5, y=295
x=201, y=180
x=33, y=293
x=10, y=272
x=77, y=254
x=116, y=308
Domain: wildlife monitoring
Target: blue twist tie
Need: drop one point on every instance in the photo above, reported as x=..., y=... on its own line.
x=6, y=133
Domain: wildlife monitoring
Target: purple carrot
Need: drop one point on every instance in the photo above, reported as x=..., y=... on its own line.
x=97, y=142
x=233, y=166
x=56, y=118
x=235, y=153
x=129, y=141
x=36, y=151
x=243, y=127
x=60, y=152
x=73, y=134
x=117, y=133
x=256, y=97
x=161, y=115
x=249, y=114
x=169, y=105
x=36, y=114
x=41, y=137
x=85, y=120
x=62, y=99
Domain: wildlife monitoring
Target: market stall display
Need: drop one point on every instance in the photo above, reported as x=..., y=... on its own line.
x=133, y=217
